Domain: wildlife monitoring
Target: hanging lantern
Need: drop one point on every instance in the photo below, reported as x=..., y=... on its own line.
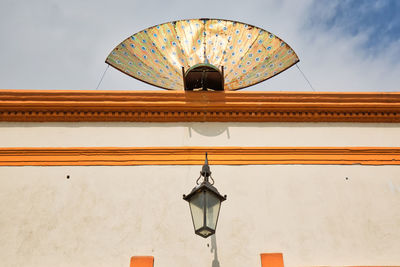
x=204, y=203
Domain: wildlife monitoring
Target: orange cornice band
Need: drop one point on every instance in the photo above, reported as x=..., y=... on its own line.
x=171, y=106
x=113, y=156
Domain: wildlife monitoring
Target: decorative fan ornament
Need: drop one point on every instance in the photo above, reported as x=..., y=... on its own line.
x=201, y=54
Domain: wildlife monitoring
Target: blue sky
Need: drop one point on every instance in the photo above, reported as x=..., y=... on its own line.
x=56, y=44
x=378, y=20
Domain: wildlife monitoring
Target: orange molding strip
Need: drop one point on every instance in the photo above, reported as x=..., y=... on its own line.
x=142, y=261
x=114, y=156
x=181, y=106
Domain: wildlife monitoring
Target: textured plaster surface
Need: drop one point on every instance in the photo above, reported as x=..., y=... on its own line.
x=198, y=134
x=101, y=216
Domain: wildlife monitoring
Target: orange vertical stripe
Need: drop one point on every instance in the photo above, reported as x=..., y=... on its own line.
x=142, y=261
x=271, y=260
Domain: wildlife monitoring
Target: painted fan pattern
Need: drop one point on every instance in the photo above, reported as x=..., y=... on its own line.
x=248, y=54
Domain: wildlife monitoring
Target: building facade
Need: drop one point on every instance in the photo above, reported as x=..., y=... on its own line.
x=91, y=178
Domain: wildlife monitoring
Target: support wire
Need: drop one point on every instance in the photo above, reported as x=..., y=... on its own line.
x=102, y=76
x=304, y=76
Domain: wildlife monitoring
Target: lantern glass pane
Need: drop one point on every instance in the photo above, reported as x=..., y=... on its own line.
x=212, y=205
x=196, y=204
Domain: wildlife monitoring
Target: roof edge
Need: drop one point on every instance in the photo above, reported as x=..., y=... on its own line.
x=185, y=106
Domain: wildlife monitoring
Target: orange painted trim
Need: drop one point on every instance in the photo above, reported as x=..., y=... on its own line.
x=271, y=260
x=181, y=106
x=142, y=261
x=115, y=156
x=276, y=260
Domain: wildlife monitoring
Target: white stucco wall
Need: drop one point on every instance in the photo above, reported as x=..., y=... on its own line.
x=102, y=216
x=198, y=134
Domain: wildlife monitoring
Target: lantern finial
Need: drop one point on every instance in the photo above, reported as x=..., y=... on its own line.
x=205, y=171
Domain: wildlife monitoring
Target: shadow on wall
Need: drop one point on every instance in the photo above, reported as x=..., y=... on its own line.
x=214, y=129
x=215, y=262
x=267, y=259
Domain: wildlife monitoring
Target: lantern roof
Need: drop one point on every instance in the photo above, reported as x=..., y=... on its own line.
x=246, y=54
x=205, y=185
